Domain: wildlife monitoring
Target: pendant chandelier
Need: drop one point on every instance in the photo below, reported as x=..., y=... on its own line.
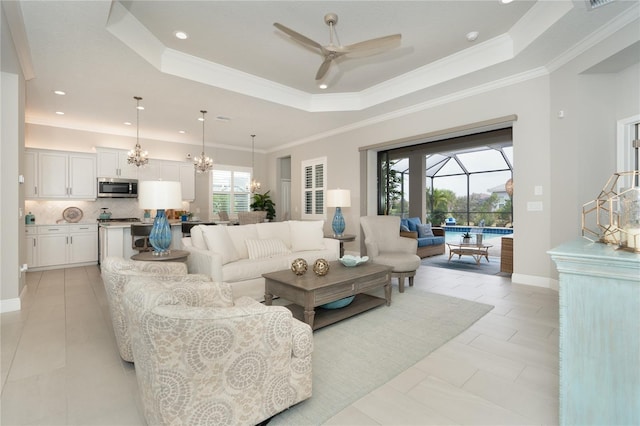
x=137, y=156
x=203, y=163
x=255, y=185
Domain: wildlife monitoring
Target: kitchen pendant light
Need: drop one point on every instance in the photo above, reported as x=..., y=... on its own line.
x=203, y=163
x=255, y=185
x=137, y=156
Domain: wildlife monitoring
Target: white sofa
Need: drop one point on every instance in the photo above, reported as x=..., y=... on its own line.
x=239, y=255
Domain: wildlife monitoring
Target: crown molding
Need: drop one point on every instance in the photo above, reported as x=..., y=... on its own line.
x=123, y=25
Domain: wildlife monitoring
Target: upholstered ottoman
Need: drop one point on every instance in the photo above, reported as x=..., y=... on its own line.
x=404, y=266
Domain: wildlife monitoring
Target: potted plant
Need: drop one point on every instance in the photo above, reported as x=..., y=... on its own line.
x=263, y=202
x=466, y=238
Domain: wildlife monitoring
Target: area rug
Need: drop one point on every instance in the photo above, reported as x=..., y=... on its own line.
x=464, y=263
x=355, y=356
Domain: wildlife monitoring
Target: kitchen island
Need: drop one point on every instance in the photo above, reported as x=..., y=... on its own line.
x=115, y=239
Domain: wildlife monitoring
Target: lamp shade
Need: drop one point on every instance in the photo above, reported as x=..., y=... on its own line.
x=159, y=194
x=338, y=198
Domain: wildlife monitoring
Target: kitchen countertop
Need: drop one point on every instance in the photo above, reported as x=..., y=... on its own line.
x=128, y=224
x=61, y=224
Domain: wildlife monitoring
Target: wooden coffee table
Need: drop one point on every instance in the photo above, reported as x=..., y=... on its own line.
x=477, y=251
x=309, y=291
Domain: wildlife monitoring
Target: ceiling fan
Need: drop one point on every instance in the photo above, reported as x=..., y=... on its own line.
x=332, y=51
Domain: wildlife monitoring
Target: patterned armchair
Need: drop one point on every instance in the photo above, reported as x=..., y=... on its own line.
x=116, y=274
x=202, y=359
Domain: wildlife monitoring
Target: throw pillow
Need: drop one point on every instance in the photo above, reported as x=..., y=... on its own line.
x=279, y=230
x=307, y=235
x=219, y=242
x=197, y=239
x=240, y=234
x=413, y=223
x=425, y=230
x=404, y=228
x=260, y=249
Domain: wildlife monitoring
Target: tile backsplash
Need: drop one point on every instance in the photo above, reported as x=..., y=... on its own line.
x=49, y=212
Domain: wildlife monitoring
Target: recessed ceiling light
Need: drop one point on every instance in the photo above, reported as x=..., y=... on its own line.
x=59, y=112
x=182, y=132
x=181, y=35
x=323, y=86
x=127, y=123
x=59, y=92
x=472, y=36
x=505, y=1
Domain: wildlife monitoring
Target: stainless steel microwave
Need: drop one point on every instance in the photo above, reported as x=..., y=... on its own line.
x=117, y=188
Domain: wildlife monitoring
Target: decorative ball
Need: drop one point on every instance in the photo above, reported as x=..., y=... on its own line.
x=299, y=266
x=321, y=267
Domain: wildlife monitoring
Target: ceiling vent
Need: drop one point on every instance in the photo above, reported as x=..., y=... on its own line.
x=593, y=4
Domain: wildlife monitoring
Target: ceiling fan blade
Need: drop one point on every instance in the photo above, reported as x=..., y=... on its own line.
x=324, y=67
x=375, y=43
x=296, y=35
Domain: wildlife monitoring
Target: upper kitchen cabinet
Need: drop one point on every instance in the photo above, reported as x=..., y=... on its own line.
x=112, y=163
x=30, y=174
x=150, y=171
x=60, y=175
x=188, y=181
x=177, y=171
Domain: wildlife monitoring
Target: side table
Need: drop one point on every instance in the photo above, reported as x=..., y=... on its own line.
x=342, y=238
x=174, y=256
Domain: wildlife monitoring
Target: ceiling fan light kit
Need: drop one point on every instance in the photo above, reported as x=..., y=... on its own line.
x=332, y=51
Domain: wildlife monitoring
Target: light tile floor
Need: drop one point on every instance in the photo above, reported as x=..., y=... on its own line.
x=60, y=365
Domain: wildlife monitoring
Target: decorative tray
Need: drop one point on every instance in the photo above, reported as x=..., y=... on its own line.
x=72, y=214
x=349, y=260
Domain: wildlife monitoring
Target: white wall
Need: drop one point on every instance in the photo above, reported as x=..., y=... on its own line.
x=570, y=158
x=11, y=195
x=531, y=143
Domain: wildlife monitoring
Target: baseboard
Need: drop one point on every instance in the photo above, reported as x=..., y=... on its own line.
x=535, y=281
x=68, y=265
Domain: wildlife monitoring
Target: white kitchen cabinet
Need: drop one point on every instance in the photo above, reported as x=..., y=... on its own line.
x=177, y=171
x=52, y=249
x=151, y=171
x=82, y=176
x=83, y=243
x=66, y=175
x=170, y=170
x=188, y=181
x=31, y=240
x=30, y=174
x=52, y=175
x=61, y=245
x=112, y=163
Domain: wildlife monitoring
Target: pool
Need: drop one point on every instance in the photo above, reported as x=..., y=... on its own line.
x=453, y=234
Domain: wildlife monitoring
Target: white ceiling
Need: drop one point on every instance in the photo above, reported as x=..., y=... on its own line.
x=236, y=64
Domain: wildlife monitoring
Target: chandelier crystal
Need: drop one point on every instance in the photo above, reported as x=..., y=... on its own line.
x=255, y=185
x=203, y=163
x=137, y=156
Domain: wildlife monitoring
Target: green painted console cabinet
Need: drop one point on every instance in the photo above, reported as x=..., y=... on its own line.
x=599, y=334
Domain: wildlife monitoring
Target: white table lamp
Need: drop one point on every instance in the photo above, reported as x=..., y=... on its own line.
x=160, y=195
x=338, y=198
